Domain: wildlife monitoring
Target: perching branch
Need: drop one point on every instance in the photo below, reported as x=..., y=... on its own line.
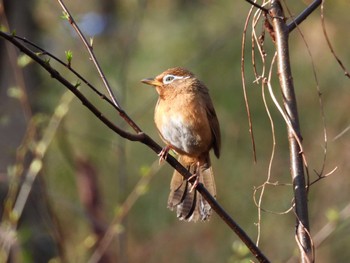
x=140, y=137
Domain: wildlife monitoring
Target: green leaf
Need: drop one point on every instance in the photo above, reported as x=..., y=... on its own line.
x=77, y=84
x=65, y=15
x=69, y=56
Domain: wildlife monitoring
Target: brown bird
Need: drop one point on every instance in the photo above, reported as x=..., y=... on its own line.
x=186, y=121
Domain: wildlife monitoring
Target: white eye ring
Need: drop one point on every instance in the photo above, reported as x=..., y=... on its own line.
x=170, y=78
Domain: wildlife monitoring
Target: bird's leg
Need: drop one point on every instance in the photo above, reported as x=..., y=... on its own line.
x=163, y=154
x=196, y=175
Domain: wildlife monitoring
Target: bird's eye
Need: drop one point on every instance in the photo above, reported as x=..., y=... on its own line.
x=168, y=79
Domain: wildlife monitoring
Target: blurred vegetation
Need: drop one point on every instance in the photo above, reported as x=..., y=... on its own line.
x=138, y=39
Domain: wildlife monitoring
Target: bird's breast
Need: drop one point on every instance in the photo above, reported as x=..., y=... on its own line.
x=184, y=128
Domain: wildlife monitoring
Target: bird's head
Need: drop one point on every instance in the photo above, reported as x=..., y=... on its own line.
x=173, y=80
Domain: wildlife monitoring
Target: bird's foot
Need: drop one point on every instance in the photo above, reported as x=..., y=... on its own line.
x=163, y=154
x=196, y=181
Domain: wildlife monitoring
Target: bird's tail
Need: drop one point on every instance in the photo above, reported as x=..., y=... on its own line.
x=190, y=205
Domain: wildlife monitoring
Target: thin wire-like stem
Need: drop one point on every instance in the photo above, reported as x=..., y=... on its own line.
x=250, y=123
x=268, y=180
x=346, y=73
x=258, y=6
x=272, y=151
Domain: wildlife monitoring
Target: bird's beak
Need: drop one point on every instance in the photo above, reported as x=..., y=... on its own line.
x=151, y=81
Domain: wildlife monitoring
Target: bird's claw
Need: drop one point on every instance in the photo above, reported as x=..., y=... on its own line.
x=163, y=154
x=196, y=181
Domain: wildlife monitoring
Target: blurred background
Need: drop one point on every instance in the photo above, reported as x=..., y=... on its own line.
x=88, y=180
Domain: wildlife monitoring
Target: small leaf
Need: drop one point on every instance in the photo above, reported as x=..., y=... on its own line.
x=65, y=15
x=78, y=84
x=47, y=61
x=69, y=56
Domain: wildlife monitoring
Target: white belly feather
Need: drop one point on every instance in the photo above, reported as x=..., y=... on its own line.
x=180, y=134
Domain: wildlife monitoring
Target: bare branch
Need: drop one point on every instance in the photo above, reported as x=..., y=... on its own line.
x=303, y=15
x=296, y=156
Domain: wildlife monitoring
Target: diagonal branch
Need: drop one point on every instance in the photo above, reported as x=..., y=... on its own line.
x=303, y=15
x=142, y=138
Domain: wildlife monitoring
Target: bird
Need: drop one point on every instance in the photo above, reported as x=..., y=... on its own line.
x=187, y=123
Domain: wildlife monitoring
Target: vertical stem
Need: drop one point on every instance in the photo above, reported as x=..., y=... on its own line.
x=296, y=159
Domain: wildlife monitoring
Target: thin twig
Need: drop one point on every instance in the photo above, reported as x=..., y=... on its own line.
x=303, y=15
x=70, y=68
x=90, y=50
x=73, y=88
x=258, y=6
x=330, y=44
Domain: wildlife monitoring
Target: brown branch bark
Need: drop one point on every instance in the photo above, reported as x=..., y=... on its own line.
x=143, y=138
x=294, y=136
x=303, y=15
